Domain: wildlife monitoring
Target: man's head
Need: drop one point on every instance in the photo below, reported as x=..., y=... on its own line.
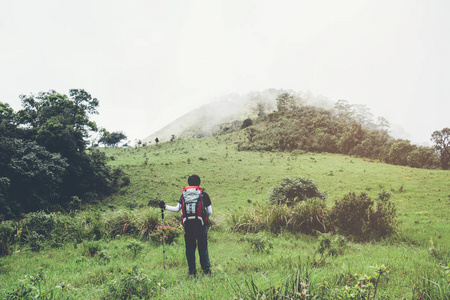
x=194, y=180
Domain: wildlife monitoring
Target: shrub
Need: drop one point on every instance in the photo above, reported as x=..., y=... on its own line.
x=329, y=246
x=39, y=222
x=356, y=216
x=247, y=123
x=133, y=284
x=350, y=215
x=383, y=220
x=293, y=190
x=149, y=223
x=7, y=231
x=93, y=247
x=135, y=247
x=170, y=233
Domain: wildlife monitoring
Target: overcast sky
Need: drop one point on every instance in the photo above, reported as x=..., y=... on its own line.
x=150, y=61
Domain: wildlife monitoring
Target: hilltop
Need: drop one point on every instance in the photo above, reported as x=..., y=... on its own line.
x=227, y=113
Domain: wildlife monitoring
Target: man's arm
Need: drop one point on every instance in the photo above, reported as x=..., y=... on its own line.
x=208, y=211
x=207, y=202
x=173, y=208
x=163, y=205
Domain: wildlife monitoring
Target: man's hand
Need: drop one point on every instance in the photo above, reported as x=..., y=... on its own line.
x=162, y=204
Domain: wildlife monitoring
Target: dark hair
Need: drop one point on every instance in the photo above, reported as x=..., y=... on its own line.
x=194, y=180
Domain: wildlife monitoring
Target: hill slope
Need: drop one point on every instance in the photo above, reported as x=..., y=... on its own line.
x=237, y=181
x=227, y=111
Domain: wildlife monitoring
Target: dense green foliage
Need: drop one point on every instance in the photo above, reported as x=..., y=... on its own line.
x=294, y=190
x=341, y=130
x=359, y=217
x=111, y=139
x=442, y=145
x=44, y=160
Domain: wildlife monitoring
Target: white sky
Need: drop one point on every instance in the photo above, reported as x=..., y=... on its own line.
x=150, y=61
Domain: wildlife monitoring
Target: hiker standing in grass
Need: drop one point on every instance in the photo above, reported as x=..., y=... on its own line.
x=195, y=206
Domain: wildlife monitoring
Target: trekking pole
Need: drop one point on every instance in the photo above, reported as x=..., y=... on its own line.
x=164, y=239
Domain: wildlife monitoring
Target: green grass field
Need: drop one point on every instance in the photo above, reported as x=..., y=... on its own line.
x=238, y=181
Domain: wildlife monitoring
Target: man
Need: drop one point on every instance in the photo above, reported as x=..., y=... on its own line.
x=196, y=208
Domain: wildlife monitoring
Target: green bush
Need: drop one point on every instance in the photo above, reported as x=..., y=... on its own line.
x=133, y=284
x=357, y=216
x=93, y=247
x=169, y=233
x=7, y=231
x=293, y=190
x=39, y=222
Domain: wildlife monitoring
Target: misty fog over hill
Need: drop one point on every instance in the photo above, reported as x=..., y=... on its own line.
x=228, y=112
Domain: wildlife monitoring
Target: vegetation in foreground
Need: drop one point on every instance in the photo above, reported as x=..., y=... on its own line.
x=106, y=250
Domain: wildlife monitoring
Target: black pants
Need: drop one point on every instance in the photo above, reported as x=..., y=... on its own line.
x=195, y=232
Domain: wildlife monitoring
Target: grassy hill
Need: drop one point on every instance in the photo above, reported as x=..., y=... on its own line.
x=227, y=113
x=243, y=265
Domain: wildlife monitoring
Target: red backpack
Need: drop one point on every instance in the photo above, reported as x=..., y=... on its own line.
x=192, y=207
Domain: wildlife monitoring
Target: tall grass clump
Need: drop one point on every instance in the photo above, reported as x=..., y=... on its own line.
x=308, y=217
x=295, y=205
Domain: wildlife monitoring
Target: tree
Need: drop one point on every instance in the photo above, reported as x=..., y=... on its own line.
x=31, y=176
x=247, y=123
x=111, y=139
x=442, y=146
x=343, y=110
x=399, y=152
x=59, y=123
x=285, y=102
x=383, y=124
x=8, y=127
x=44, y=160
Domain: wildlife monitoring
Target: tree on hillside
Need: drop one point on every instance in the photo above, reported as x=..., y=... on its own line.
x=285, y=102
x=399, y=152
x=382, y=123
x=247, y=123
x=442, y=145
x=59, y=123
x=362, y=115
x=7, y=127
x=343, y=110
x=111, y=139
